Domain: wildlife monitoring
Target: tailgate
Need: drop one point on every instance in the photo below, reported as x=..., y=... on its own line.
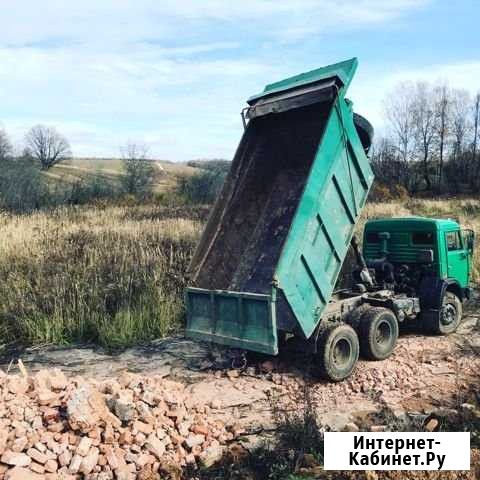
x=236, y=319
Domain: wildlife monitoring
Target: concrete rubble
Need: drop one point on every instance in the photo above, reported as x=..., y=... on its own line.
x=54, y=427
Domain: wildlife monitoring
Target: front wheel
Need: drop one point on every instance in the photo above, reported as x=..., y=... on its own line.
x=338, y=350
x=447, y=319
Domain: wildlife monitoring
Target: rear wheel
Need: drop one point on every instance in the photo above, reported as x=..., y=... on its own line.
x=378, y=333
x=447, y=319
x=338, y=350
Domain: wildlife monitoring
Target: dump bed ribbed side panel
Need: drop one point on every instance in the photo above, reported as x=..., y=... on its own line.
x=322, y=228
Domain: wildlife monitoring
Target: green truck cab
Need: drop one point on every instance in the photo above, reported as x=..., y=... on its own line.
x=426, y=258
x=264, y=275
x=413, y=239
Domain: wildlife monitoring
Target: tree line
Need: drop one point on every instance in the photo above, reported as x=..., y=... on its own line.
x=430, y=146
x=24, y=187
x=431, y=143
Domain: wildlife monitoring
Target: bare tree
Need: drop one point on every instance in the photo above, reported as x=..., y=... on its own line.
x=399, y=113
x=442, y=112
x=431, y=129
x=476, y=121
x=460, y=158
x=387, y=165
x=425, y=126
x=47, y=145
x=5, y=146
x=460, y=124
x=139, y=169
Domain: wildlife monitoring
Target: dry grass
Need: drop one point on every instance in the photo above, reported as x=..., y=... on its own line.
x=115, y=275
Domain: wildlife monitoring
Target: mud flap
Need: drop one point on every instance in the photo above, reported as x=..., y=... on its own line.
x=236, y=319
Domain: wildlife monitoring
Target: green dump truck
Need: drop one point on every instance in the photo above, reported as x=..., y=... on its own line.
x=265, y=270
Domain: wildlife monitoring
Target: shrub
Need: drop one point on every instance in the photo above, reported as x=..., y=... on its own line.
x=399, y=192
x=22, y=187
x=380, y=193
x=388, y=193
x=90, y=189
x=202, y=187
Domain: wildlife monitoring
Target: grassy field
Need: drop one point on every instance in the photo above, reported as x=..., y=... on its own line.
x=115, y=275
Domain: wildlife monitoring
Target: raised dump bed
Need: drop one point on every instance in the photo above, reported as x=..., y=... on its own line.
x=279, y=232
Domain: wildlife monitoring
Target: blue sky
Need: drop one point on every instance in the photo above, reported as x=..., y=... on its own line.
x=175, y=74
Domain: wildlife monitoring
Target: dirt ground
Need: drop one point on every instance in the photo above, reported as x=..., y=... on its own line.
x=425, y=373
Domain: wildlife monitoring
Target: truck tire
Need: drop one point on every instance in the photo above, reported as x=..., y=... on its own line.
x=378, y=333
x=338, y=351
x=365, y=131
x=447, y=319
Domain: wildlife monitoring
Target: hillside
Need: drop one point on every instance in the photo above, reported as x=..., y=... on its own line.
x=112, y=169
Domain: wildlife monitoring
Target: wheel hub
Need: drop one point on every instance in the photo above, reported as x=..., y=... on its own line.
x=449, y=314
x=341, y=353
x=383, y=334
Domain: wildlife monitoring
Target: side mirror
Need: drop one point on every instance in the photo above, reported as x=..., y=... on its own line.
x=425, y=256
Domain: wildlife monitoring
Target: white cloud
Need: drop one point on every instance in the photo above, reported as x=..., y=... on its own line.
x=103, y=71
x=339, y=16
x=109, y=22
x=459, y=75
x=100, y=100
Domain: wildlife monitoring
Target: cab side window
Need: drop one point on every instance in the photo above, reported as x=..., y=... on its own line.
x=453, y=241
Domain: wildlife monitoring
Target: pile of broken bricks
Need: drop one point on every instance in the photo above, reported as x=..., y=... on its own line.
x=132, y=427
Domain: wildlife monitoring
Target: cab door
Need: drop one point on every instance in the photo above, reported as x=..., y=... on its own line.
x=457, y=257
